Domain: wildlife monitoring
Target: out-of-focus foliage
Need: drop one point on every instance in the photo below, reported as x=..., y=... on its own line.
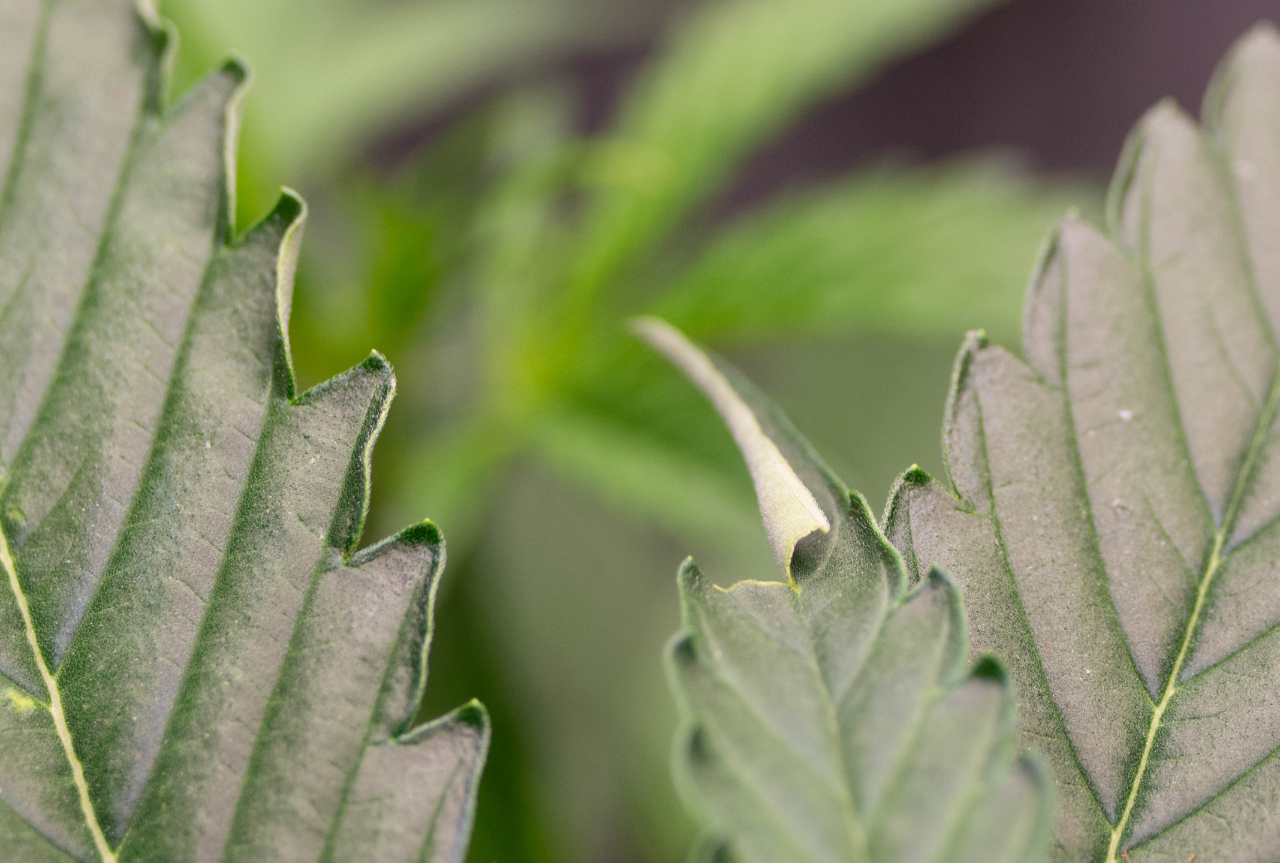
x=500, y=262
x=577, y=234
x=332, y=74
x=821, y=261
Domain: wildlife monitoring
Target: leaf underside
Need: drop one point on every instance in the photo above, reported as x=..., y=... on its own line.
x=195, y=663
x=831, y=718
x=1114, y=512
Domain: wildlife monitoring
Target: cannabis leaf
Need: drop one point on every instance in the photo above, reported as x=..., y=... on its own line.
x=907, y=252
x=1114, y=526
x=194, y=662
x=830, y=718
x=351, y=68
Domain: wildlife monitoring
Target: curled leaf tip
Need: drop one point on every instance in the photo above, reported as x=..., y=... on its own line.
x=787, y=506
x=148, y=12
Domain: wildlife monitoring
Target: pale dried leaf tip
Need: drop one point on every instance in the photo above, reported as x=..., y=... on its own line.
x=789, y=510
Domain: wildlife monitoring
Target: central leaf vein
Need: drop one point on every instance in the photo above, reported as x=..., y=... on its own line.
x=1265, y=420
x=55, y=707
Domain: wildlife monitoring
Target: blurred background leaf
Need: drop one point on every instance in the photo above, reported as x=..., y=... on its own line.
x=496, y=186
x=331, y=75
x=907, y=252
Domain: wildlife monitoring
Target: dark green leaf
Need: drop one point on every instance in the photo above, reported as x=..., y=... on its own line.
x=1112, y=519
x=831, y=718
x=198, y=664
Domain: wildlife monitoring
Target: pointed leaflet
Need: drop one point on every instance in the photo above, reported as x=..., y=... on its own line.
x=831, y=718
x=1114, y=519
x=194, y=665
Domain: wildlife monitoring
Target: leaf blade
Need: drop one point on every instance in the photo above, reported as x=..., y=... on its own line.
x=793, y=694
x=183, y=526
x=1153, y=351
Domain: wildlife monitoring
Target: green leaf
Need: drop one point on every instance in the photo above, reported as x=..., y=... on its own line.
x=735, y=74
x=640, y=472
x=910, y=252
x=1112, y=519
x=557, y=263
x=198, y=663
x=334, y=74
x=831, y=718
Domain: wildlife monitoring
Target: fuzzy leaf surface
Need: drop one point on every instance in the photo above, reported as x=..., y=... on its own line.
x=1113, y=512
x=195, y=662
x=831, y=717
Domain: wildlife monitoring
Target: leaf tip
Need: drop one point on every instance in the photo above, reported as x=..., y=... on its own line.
x=787, y=506
x=424, y=533
x=1166, y=118
x=1254, y=55
x=1262, y=37
x=915, y=475
x=238, y=70
x=911, y=478
x=648, y=327
x=940, y=582
x=1042, y=308
x=377, y=364
x=289, y=218
x=475, y=715
x=149, y=14
x=988, y=667
x=688, y=576
x=939, y=578
x=975, y=340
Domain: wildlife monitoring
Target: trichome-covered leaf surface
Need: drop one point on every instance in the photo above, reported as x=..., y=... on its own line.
x=1114, y=515
x=195, y=665
x=830, y=717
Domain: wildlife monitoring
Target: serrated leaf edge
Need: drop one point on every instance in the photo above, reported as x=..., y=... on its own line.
x=292, y=209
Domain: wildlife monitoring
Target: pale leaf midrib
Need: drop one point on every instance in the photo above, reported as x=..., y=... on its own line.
x=1265, y=419
x=54, y=706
